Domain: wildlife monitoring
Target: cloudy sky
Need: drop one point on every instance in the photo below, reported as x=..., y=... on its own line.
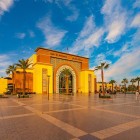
x=103, y=30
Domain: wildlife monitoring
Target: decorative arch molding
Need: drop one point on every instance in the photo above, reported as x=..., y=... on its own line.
x=61, y=69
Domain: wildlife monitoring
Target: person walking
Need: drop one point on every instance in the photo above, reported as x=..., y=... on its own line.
x=137, y=94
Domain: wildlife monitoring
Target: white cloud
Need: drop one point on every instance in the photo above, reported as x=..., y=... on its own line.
x=122, y=68
x=74, y=12
x=136, y=4
x=74, y=16
x=53, y=35
x=115, y=30
x=136, y=21
x=88, y=27
x=94, y=38
x=5, y=5
x=128, y=62
x=89, y=37
x=115, y=18
x=125, y=65
x=126, y=48
x=3, y=57
x=101, y=58
x=5, y=61
x=20, y=35
x=31, y=34
x=51, y=1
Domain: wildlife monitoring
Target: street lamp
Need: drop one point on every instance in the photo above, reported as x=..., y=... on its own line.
x=48, y=84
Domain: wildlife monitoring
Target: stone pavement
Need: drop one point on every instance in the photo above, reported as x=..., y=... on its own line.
x=66, y=117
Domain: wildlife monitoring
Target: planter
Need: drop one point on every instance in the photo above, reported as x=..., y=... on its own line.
x=22, y=96
x=104, y=96
x=3, y=96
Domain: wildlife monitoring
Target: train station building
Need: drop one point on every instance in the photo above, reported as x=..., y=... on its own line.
x=56, y=72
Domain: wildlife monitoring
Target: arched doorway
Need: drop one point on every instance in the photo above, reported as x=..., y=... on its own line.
x=65, y=80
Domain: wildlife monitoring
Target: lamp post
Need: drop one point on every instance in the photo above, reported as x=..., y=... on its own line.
x=48, y=84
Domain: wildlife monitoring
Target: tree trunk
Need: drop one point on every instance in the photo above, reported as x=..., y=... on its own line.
x=13, y=76
x=67, y=86
x=112, y=87
x=125, y=88
x=138, y=85
x=102, y=75
x=132, y=87
x=24, y=81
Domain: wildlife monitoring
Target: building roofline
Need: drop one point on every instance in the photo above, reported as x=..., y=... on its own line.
x=59, y=52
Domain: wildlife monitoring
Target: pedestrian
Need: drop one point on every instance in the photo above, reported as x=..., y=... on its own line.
x=137, y=94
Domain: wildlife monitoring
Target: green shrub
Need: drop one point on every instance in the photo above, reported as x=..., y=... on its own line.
x=3, y=96
x=23, y=96
x=104, y=96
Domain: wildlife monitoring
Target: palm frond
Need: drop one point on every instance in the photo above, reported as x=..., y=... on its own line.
x=102, y=64
x=11, y=69
x=112, y=81
x=137, y=79
x=97, y=67
x=23, y=64
x=106, y=66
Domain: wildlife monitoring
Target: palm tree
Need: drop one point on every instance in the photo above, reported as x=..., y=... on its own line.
x=23, y=64
x=138, y=79
x=125, y=81
x=133, y=81
x=101, y=67
x=112, y=82
x=9, y=70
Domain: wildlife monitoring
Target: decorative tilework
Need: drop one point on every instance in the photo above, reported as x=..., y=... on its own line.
x=56, y=61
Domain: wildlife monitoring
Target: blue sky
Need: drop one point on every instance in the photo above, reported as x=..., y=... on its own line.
x=103, y=30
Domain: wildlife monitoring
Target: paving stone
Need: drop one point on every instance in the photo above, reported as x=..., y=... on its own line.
x=91, y=120
x=124, y=109
x=132, y=134
x=88, y=137
x=7, y=102
x=13, y=111
x=54, y=107
x=31, y=128
x=68, y=112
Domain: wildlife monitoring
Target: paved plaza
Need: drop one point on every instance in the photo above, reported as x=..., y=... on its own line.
x=66, y=117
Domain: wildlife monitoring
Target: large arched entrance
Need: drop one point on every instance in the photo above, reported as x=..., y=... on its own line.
x=65, y=80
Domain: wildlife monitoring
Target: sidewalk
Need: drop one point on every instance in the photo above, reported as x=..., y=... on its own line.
x=66, y=117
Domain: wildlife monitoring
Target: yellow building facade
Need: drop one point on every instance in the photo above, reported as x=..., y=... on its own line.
x=3, y=85
x=56, y=72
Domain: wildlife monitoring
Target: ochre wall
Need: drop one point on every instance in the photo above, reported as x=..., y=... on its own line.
x=42, y=60
x=84, y=86
x=32, y=60
x=3, y=85
x=37, y=76
x=44, y=56
x=18, y=80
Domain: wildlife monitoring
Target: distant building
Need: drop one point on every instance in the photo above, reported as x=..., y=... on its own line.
x=5, y=83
